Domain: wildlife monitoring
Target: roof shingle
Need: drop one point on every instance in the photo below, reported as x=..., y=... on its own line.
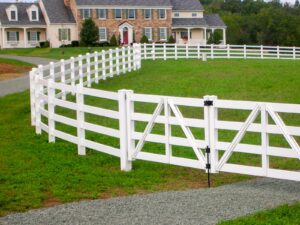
x=23, y=18
x=57, y=12
x=147, y=3
x=209, y=20
x=186, y=5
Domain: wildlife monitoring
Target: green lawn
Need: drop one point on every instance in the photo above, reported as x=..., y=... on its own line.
x=34, y=173
x=14, y=62
x=54, y=53
x=286, y=214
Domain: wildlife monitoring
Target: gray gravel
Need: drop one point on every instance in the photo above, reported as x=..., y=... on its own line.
x=203, y=206
x=21, y=83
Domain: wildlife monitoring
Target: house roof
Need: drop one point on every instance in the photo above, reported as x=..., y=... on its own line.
x=186, y=5
x=23, y=18
x=57, y=12
x=210, y=20
x=147, y=3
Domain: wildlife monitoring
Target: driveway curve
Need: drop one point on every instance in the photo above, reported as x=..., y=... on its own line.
x=202, y=206
x=21, y=83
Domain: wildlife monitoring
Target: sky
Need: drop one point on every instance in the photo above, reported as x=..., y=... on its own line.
x=289, y=1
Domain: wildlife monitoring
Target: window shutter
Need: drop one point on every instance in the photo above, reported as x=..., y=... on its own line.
x=8, y=36
x=107, y=36
x=98, y=13
x=150, y=13
x=106, y=13
x=167, y=34
x=144, y=31
x=28, y=36
x=158, y=14
x=114, y=13
x=38, y=35
x=136, y=13
x=81, y=13
x=59, y=34
x=126, y=13
x=69, y=34
x=90, y=13
x=158, y=34
x=17, y=36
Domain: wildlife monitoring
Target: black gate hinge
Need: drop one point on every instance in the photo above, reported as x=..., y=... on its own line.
x=207, y=149
x=208, y=166
x=208, y=103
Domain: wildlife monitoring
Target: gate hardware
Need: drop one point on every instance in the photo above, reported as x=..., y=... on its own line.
x=208, y=166
x=208, y=103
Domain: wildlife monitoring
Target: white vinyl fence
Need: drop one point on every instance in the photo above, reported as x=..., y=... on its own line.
x=61, y=87
x=177, y=51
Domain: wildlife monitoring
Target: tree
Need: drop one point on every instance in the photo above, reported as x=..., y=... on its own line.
x=171, y=40
x=89, y=33
x=144, y=39
x=113, y=41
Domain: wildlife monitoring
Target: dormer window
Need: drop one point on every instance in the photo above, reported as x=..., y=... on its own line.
x=34, y=16
x=13, y=15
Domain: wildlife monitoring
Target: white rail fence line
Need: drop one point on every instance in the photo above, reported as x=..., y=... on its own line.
x=177, y=51
x=51, y=84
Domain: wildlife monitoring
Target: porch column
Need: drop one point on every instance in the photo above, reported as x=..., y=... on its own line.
x=3, y=37
x=205, y=41
x=25, y=37
x=224, y=36
x=189, y=35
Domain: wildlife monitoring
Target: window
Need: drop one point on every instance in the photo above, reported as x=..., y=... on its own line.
x=184, y=35
x=163, y=33
x=162, y=14
x=118, y=13
x=86, y=13
x=101, y=14
x=194, y=14
x=12, y=36
x=33, y=36
x=102, y=34
x=176, y=14
x=147, y=14
x=131, y=13
x=64, y=34
x=148, y=33
x=13, y=15
x=34, y=15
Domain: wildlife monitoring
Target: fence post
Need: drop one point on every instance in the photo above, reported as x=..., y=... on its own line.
x=88, y=69
x=228, y=51
x=137, y=50
x=245, y=52
x=73, y=81
x=118, y=60
x=213, y=133
x=52, y=76
x=123, y=60
x=103, y=65
x=145, y=50
x=63, y=77
x=129, y=58
x=198, y=51
x=168, y=128
x=294, y=52
x=51, y=110
x=130, y=123
x=126, y=164
x=212, y=51
x=186, y=51
x=80, y=119
x=278, y=52
x=261, y=52
x=80, y=69
x=176, y=51
x=165, y=51
x=96, y=66
x=264, y=139
x=111, y=68
x=32, y=84
x=38, y=90
x=153, y=51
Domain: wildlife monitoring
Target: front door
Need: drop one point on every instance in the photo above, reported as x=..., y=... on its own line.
x=125, y=36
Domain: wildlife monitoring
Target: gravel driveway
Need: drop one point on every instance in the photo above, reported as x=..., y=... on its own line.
x=203, y=206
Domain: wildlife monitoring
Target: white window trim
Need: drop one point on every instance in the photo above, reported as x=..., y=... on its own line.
x=165, y=39
x=30, y=35
x=15, y=35
x=150, y=14
x=105, y=14
x=151, y=33
x=37, y=15
x=105, y=29
x=133, y=13
x=16, y=12
x=165, y=14
x=116, y=13
x=83, y=14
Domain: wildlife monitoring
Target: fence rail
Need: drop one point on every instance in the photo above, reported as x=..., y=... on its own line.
x=177, y=51
x=61, y=93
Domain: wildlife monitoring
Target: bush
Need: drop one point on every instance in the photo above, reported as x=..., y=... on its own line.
x=66, y=46
x=171, y=40
x=75, y=43
x=89, y=33
x=113, y=41
x=144, y=39
x=101, y=44
x=44, y=44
